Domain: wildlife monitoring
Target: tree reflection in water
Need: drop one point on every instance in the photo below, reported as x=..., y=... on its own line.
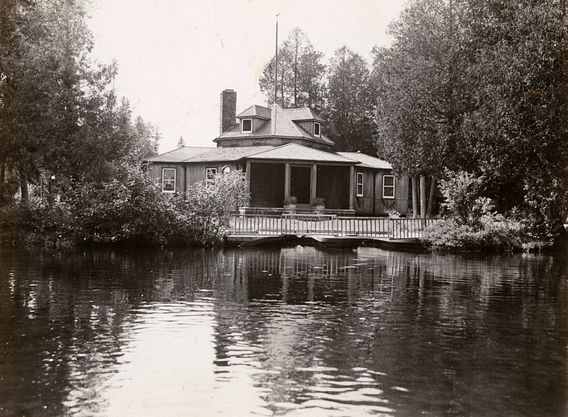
x=296, y=331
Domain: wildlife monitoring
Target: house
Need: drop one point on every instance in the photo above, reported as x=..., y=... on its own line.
x=284, y=152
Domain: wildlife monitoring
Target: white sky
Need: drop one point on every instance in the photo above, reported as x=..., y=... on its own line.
x=176, y=56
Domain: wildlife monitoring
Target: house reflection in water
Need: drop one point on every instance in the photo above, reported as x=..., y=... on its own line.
x=367, y=331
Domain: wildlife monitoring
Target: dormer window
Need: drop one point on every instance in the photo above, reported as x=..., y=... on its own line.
x=246, y=126
x=317, y=129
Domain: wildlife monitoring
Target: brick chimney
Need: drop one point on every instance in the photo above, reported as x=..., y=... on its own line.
x=228, y=113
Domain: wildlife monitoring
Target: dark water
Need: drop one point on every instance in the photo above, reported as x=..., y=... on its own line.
x=295, y=332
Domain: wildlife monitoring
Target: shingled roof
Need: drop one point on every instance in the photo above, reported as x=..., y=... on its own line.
x=229, y=154
x=302, y=113
x=255, y=111
x=279, y=125
x=180, y=154
x=295, y=152
x=366, y=161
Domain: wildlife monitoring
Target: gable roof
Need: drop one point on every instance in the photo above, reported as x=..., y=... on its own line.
x=279, y=125
x=366, y=161
x=302, y=113
x=255, y=111
x=295, y=152
x=180, y=154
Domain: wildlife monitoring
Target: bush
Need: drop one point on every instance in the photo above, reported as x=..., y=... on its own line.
x=470, y=223
x=130, y=209
x=495, y=232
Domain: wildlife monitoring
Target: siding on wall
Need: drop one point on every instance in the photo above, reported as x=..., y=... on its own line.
x=373, y=188
x=155, y=172
x=373, y=185
x=193, y=172
x=196, y=172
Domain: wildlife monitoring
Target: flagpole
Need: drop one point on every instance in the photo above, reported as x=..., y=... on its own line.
x=276, y=64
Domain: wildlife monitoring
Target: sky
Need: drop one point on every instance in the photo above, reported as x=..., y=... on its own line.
x=176, y=56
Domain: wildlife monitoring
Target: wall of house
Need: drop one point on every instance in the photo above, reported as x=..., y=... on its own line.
x=195, y=172
x=372, y=202
x=155, y=173
x=187, y=174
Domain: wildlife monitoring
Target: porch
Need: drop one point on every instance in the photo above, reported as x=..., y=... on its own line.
x=329, y=225
x=273, y=182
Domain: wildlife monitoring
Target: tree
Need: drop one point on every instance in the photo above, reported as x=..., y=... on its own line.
x=521, y=124
x=350, y=102
x=421, y=83
x=481, y=86
x=300, y=73
x=56, y=105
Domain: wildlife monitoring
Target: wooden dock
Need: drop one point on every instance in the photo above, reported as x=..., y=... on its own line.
x=325, y=230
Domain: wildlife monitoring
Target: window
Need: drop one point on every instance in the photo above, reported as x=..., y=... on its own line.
x=317, y=128
x=210, y=175
x=360, y=182
x=388, y=186
x=168, y=180
x=246, y=125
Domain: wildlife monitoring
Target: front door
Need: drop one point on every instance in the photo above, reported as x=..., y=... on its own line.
x=300, y=177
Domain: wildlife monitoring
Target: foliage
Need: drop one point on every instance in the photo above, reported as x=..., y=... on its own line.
x=350, y=103
x=208, y=205
x=471, y=223
x=125, y=208
x=300, y=73
x=343, y=93
x=480, y=86
x=462, y=200
x=318, y=201
x=56, y=105
x=128, y=208
x=493, y=232
x=393, y=214
x=290, y=201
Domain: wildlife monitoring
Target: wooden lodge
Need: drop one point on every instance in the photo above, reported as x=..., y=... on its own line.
x=285, y=153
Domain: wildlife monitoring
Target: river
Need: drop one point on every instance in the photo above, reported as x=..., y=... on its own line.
x=293, y=331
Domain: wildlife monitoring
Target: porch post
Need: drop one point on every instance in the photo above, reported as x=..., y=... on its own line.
x=351, y=186
x=286, y=180
x=313, y=183
x=247, y=173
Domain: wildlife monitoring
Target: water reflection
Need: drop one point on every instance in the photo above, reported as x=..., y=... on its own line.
x=294, y=331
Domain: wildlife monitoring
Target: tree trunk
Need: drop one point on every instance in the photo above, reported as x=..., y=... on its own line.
x=415, y=209
x=422, y=196
x=2, y=179
x=25, y=197
x=431, y=197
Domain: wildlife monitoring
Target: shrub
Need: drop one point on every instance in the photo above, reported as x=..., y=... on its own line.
x=495, y=232
x=462, y=200
x=470, y=223
x=128, y=208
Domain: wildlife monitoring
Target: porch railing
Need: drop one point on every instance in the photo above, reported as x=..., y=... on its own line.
x=270, y=225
